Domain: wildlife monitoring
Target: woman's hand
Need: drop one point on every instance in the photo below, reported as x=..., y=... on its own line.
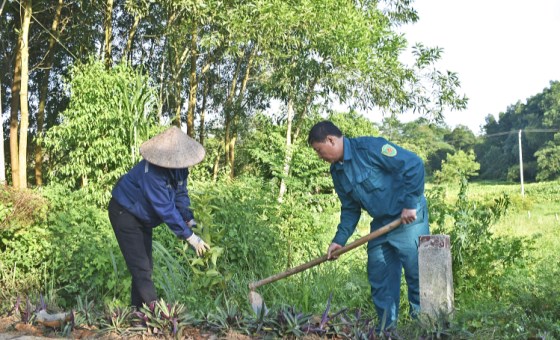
x=198, y=244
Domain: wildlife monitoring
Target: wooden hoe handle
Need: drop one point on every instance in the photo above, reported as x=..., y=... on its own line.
x=383, y=230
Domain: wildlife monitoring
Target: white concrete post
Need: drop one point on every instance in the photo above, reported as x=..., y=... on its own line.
x=436, y=276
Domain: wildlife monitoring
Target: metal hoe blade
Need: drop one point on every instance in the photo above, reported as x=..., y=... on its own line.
x=257, y=303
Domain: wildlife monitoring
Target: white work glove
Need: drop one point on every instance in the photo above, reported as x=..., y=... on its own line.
x=198, y=244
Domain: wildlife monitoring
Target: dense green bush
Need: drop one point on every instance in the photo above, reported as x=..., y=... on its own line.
x=480, y=259
x=456, y=166
x=111, y=112
x=85, y=255
x=24, y=247
x=244, y=221
x=67, y=251
x=257, y=238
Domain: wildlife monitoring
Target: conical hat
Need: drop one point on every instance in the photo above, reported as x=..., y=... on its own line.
x=172, y=149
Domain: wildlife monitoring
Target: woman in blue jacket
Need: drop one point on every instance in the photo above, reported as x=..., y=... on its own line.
x=154, y=191
x=387, y=181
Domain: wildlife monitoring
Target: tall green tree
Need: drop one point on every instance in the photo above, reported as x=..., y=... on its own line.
x=456, y=167
x=355, y=61
x=49, y=54
x=548, y=160
x=538, y=120
x=548, y=156
x=111, y=113
x=424, y=137
x=461, y=138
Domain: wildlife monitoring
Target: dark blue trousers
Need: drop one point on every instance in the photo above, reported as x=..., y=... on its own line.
x=135, y=242
x=388, y=255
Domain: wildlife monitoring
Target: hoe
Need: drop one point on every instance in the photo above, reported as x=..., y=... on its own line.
x=256, y=300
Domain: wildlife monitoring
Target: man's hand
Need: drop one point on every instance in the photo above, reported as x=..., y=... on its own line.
x=198, y=244
x=191, y=224
x=332, y=247
x=408, y=216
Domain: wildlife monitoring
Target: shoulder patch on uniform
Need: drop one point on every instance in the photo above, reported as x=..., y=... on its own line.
x=389, y=150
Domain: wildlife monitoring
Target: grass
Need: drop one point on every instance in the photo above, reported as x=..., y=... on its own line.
x=535, y=215
x=529, y=305
x=525, y=308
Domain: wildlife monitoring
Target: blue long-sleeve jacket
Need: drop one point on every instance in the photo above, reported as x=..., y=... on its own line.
x=156, y=195
x=379, y=177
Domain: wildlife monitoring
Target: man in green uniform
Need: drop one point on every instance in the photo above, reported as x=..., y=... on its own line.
x=388, y=182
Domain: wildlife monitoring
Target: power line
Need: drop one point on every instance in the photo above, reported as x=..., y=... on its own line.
x=516, y=131
x=540, y=130
x=521, y=148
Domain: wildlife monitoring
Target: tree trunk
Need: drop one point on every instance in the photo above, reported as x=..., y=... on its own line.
x=245, y=80
x=130, y=38
x=2, y=161
x=232, y=109
x=2, y=154
x=14, y=119
x=228, y=111
x=302, y=116
x=203, y=112
x=177, y=119
x=226, y=133
x=161, y=76
x=237, y=108
x=193, y=82
x=24, y=105
x=178, y=81
x=108, y=26
x=290, y=142
x=289, y=152
x=231, y=150
x=2, y=7
x=43, y=90
x=216, y=167
x=171, y=20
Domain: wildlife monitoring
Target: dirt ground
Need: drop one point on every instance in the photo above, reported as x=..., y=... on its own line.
x=12, y=329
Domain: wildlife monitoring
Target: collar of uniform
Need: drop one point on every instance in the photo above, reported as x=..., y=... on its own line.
x=347, y=156
x=347, y=149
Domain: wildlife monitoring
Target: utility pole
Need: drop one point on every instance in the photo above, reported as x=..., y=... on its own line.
x=521, y=165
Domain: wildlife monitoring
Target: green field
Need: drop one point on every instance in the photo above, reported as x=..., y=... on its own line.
x=528, y=303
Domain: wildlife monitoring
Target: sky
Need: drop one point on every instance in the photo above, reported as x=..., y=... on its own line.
x=503, y=51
